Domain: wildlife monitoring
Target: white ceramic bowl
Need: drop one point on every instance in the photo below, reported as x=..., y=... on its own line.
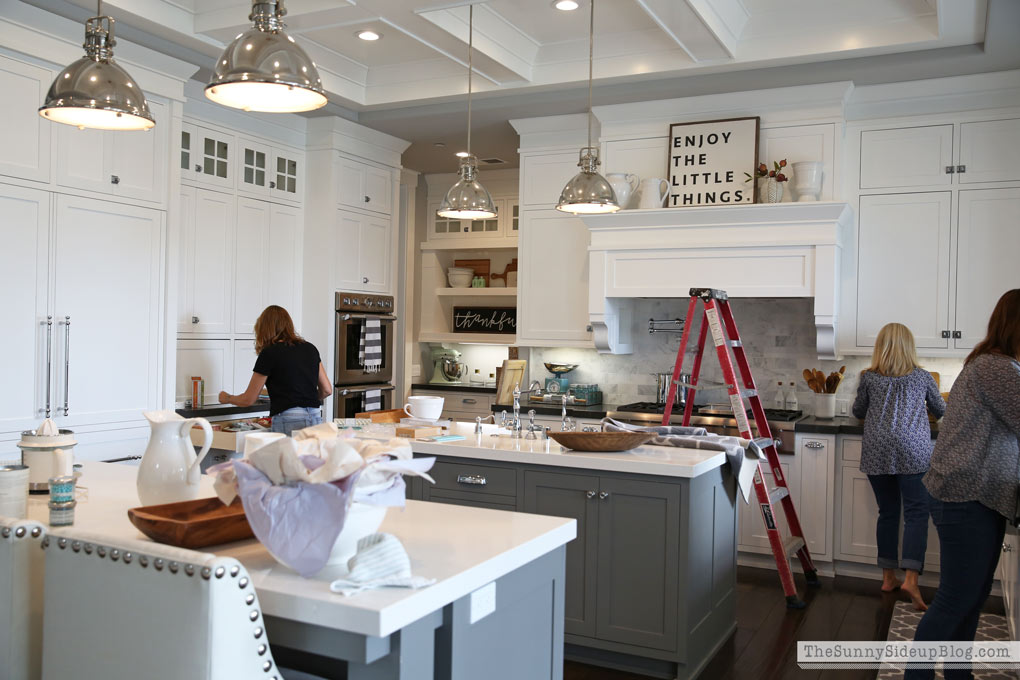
x=362, y=519
x=460, y=277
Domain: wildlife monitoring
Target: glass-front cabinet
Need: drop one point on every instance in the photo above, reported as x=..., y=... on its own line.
x=207, y=156
x=504, y=225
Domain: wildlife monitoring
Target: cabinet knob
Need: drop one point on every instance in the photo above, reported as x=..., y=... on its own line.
x=961, y=168
x=364, y=279
x=114, y=179
x=603, y=495
x=194, y=319
x=946, y=334
x=957, y=335
x=1007, y=548
x=272, y=185
x=367, y=199
x=950, y=169
x=198, y=167
x=591, y=494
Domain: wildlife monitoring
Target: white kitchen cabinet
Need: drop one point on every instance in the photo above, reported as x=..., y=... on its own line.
x=128, y=165
x=209, y=359
x=244, y=357
x=989, y=151
x=907, y=157
x=903, y=266
x=362, y=252
x=1009, y=577
x=208, y=156
x=506, y=224
x=24, y=261
x=255, y=160
x=287, y=176
x=364, y=186
x=108, y=277
x=25, y=135
x=207, y=256
x=552, y=283
x=543, y=177
x=751, y=536
x=987, y=243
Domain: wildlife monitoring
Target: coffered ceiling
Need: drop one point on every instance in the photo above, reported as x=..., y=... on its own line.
x=412, y=81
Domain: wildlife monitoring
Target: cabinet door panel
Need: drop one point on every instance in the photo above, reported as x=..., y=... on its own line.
x=351, y=186
x=212, y=257
x=108, y=279
x=25, y=135
x=986, y=258
x=186, y=260
x=81, y=158
x=988, y=151
x=283, y=277
x=858, y=515
x=378, y=188
x=24, y=262
x=545, y=176
x=208, y=359
x=560, y=495
x=251, y=263
x=751, y=526
x=638, y=571
x=553, y=281
x=214, y=157
x=244, y=357
x=287, y=179
x=254, y=167
x=346, y=248
x=137, y=159
x=906, y=157
x=903, y=266
x=814, y=509
x=374, y=255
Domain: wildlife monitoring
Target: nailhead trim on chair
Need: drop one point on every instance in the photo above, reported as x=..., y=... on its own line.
x=6, y=532
x=21, y=532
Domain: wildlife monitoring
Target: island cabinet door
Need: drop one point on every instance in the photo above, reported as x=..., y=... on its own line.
x=638, y=562
x=574, y=496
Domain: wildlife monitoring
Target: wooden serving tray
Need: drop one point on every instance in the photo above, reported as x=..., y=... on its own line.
x=601, y=441
x=192, y=524
x=392, y=415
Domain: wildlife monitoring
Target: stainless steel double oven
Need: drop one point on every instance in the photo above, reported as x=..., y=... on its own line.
x=355, y=386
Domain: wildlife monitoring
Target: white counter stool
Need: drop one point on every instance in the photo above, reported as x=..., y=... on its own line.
x=129, y=609
x=21, y=598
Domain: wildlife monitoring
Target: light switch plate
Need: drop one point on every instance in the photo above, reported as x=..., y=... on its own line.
x=483, y=602
x=843, y=407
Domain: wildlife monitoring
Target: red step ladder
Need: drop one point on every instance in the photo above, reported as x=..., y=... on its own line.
x=718, y=317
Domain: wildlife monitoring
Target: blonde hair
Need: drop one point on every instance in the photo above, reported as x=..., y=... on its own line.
x=274, y=326
x=895, y=352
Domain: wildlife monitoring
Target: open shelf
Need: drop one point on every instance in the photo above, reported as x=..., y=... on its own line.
x=477, y=292
x=471, y=244
x=469, y=338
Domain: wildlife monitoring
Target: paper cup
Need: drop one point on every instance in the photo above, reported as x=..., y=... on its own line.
x=14, y=491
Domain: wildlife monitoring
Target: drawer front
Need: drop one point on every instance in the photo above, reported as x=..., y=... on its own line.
x=460, y=403
x=474, y=500
x=474, y=478
x=851, y=450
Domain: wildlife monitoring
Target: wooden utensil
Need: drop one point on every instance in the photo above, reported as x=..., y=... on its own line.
x=512, y=267
x=601, y=441
x=809, y=378
x=192, y=524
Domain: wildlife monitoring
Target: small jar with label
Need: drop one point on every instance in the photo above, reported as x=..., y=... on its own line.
x=62, y=514
x=62, y=489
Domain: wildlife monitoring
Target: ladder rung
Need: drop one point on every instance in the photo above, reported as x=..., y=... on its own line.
x=791, y=544
x=736, y=343
x=764, y=442
x=777, y=494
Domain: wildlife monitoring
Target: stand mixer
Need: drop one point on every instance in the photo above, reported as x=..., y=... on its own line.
x=448, y=370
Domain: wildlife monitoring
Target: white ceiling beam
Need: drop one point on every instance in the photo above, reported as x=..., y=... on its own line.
x=228, y=20
x=444, y=51
x=707, y=30
x=494, y=37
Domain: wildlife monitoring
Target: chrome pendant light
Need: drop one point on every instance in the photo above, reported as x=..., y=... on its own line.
x=468, y=199
x=588, y=192
x=263, y=69
x=95, y=92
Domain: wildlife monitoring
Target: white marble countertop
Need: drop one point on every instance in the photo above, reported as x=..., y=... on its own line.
x=462, y=548
x=666, y=461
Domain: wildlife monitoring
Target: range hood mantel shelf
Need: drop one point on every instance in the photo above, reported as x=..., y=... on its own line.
x=760, y=250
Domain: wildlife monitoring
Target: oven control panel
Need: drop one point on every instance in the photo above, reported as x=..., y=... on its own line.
x=364, y=302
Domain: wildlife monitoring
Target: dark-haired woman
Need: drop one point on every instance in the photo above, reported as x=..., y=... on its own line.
x=290, y=369
x=973, y=481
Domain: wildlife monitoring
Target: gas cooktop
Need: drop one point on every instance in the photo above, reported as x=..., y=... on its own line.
x=771, y=414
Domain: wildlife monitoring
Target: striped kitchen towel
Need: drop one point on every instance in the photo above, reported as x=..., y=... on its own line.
x=370, y=349
x=373, y=400
x=381, y=562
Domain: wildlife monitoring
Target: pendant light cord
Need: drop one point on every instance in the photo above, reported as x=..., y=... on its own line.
x=471, y=24
x=99, y=8
x=591, y=59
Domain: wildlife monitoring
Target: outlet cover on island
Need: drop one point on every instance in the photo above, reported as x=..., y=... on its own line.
x=843, y=407
x=483, y=602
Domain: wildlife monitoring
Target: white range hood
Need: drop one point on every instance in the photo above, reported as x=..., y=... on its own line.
x=777, y=250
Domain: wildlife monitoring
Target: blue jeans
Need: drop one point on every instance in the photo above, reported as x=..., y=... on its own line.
x=889, y=491
x=295, y=419
x=970, y=538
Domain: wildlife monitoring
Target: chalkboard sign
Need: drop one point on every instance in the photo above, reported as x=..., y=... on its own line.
x=485, y=320
x=708, y=161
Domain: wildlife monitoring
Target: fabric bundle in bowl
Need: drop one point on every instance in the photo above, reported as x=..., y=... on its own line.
x=311, y=497
x=460, y=277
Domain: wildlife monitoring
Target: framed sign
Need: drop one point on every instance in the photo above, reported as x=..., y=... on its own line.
x=485, y=320
x=708, y=159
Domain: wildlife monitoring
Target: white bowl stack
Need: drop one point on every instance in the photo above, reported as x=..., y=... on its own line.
x=460, y=277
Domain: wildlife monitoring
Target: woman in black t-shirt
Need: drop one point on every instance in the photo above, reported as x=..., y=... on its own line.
x=290, y=369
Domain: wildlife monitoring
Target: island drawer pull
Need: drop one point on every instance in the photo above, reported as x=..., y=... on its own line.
x=476, y=480
x=590, y=493
x=469, y=401
x=603, y=495
x=814, y=445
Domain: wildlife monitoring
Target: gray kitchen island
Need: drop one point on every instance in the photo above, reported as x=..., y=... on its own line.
x=651, y=576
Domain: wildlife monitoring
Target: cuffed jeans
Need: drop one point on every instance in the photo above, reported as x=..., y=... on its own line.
x=889, y=491
x=970, y=541
x=295, y=419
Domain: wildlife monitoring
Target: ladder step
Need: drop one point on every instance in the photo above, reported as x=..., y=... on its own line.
x=791, y=544
x=764, y=442
x=778, y=494
x=736, y=343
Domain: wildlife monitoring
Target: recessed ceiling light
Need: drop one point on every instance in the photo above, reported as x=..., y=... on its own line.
x=565, y=5
x=368, y=35
x=462, y=154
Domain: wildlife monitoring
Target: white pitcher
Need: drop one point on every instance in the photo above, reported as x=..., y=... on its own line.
x=624, y=184
x=170, y=470
x=653, y=192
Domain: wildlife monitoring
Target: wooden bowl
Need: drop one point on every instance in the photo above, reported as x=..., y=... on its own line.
x=192, y=524
x=601, y=441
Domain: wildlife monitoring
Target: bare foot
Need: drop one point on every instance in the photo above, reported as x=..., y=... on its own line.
x=889, y=585
x=915, y=596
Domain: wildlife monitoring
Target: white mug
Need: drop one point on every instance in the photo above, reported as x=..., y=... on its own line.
x=653, y=192
x=426, y=408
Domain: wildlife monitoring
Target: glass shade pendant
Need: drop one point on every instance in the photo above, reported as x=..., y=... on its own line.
x=468, y=199
x=588, y=192
x=263, y=69
x=95, y=92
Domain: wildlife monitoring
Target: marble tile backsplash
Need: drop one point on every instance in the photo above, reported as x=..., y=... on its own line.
x=778, y=335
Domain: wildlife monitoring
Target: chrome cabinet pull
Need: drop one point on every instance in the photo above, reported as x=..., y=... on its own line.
x=946, y=334
x=272, y=185
x=357, y=390
x=469, y=401
x=364, y=279
x=194, y=319
x=114, y=179
x=957, y=335
x=603, y=495
x=1007, y=548
x=589, y=494
x=475, y=480
x=961, y=168
x=950, y=170
x=198, y=167
x=67, y=360
x=814, y=445
x=367, y=199
x=49, y=361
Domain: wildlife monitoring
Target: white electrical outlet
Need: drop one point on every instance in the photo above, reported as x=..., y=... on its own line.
x=483, y=602
x=843, y=407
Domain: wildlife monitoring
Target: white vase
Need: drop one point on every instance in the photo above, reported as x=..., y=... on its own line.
x=807, y=180
x=769, y=190
x=624, y=184
x=825, y=406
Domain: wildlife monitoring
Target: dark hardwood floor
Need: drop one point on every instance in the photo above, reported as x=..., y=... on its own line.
x=764, y=646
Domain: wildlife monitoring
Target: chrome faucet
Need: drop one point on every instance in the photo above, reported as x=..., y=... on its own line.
x=532, y=427
x=480, y=419
x=515, y=424
x=566, y=424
